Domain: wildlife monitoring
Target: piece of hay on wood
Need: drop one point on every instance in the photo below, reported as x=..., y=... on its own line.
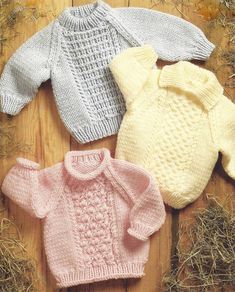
x=17, y=270
x=9, y=144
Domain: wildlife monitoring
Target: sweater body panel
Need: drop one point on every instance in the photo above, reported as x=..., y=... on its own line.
x=175, y=140
x=88, y=99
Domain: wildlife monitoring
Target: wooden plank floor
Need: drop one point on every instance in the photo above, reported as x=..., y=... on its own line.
x=39, y=125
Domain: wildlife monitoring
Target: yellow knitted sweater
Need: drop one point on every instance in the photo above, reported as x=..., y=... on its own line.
x=177, y=121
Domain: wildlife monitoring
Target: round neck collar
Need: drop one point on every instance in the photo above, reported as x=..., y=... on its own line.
x=84, y=17
x=83, y=158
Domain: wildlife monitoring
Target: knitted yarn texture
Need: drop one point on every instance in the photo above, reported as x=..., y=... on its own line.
x=177, y=121
x=98, y=214
x=74, y=52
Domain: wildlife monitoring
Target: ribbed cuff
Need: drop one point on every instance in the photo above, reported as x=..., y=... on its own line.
x=203, y=49
x=131, y=70
x=198, y=81
x=28, y=163
x=10, y=104
x=229, y=165
x=140, y=231
x=145, y=56
x=136, y=234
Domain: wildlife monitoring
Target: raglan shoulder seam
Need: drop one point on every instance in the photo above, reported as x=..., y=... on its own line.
x=214, y=125
x=54, y=44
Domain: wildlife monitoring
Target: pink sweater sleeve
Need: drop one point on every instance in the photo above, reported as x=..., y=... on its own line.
x=147, y=213
x=32, y=189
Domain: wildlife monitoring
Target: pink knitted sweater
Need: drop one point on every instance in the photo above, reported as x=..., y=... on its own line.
x=98, y=213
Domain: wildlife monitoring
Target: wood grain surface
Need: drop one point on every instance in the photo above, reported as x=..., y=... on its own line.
x=39, y=126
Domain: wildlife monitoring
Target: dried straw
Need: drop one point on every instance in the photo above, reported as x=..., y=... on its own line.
x=226, y=20
x=17, y=270
x=9, y=144
x=230, y=4
x=231, y=33
x=13, y=12
x=229, y=58
x=205, y=252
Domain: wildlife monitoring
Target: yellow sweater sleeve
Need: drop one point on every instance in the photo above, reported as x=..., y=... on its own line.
x=131, y=70
x=225, y=130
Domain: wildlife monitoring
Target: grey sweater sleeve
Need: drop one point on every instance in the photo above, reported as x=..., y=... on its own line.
x=27, y=68
x=173, y=38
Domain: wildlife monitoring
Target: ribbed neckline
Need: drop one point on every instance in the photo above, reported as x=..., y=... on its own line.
x=200, y=82
x=71, y=157
x=84, y=17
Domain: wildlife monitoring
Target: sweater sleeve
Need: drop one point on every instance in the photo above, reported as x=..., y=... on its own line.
x=131, y=70
x=225, y=130
x=172, y=37
x=32, y=189
x=25, y=71
x=147, y=213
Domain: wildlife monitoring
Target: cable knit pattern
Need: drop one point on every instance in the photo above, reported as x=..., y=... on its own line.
x=98, y=214
x=177, y=121
x=75, y=50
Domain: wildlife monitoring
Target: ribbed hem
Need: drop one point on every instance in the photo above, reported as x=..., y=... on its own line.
x=10, y=104
x=99, y=130
x=95, y=274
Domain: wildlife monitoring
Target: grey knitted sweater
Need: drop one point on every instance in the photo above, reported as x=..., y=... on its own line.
x=74, y=52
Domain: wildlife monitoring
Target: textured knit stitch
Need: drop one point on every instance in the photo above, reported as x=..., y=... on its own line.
x=177, y=121
x=98, y=214
x=74, y=51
